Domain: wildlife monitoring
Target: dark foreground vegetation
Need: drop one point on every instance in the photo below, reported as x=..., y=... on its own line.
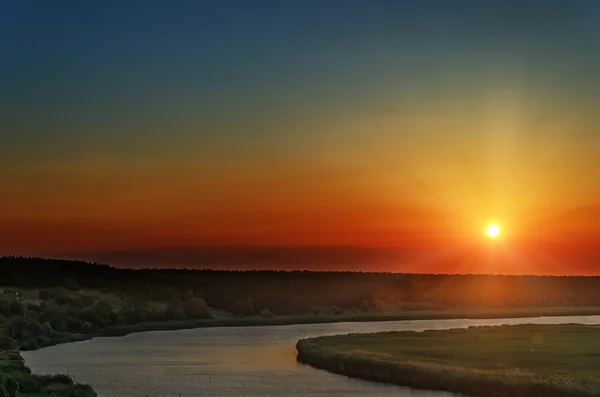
x=47, y=301
x=516, y=360
x=16, y=380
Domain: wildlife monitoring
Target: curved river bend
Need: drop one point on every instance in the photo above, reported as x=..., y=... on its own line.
x=230, y=362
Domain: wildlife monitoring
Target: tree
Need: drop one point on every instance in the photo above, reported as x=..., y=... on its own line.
x=9, y=387
x=74, y=324
x=196, y=308
x=187, y=295
x=104, y=312
x=4, y=330
x=72, y=285
x=242, y=307
x=44, y=295
x=61, y=296
x=16, y=308
x=53, y=314
x=19, y=328
x=5, y=308
x=174, y=310
x=169, y=292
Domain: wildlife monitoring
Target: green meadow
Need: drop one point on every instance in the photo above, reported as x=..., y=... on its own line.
x=516, y=360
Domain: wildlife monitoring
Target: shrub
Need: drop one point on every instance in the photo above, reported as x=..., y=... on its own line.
x=44, y=295
x=196, y=308
x=61, y=296
x=34, y=326
x=19, y=328
x=16, y=308
x=317, y=310
x=87, y=327
x=72, y=285
x=5, y=308
x=46, y=329
x=174, y=310
x=104, y=312
x=168, y=293
x=30, y=345
x=380, y=305
x=336, y=310
x=266, y=313
x=365, y=306
x=74, y=324
x=9, y=387
x=33, y=311
x=242, y=307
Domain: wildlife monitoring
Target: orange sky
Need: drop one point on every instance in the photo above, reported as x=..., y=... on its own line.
x=345, y=134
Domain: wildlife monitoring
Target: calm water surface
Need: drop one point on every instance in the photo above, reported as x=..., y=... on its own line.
x=230, y=362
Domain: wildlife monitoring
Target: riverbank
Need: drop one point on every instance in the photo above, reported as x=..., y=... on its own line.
x=121, y=330
x=516, y=360
x=406, y=315
x=15, y=377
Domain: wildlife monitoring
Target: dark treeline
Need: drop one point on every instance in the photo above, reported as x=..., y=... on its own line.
x=298, y=292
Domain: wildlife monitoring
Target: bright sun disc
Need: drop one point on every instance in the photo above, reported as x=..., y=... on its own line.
x=493, y=230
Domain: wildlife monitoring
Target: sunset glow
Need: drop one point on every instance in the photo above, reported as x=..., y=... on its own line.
x=323, y=129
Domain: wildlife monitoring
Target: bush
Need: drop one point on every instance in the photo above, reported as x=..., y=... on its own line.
x=61, y=296
x=266, y=313
x=72, y=285
x=336, y=310
x=44, y=295
x=34, y=326
x=168, y=293
x=46, y=329
x=19, y=328
x=5, y=309
x=90, y=315
x=365, y=306
x=196, y=308
x=4, y=330
x=317, y=310
x=87, y=327
x=174, y=310
x=16, y=308
x=242, y=307
x=9, y=387
x=104, y=312
x=380, y=305
x=30, y=345
x=33, y=309
x=74, y=324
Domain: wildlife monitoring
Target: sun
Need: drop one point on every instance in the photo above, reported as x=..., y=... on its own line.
x=493, y=230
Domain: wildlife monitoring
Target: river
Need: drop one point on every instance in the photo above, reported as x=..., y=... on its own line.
x=231, y=361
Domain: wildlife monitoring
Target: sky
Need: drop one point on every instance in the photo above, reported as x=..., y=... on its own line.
x=360, y=135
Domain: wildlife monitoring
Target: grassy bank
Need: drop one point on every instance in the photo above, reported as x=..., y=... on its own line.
x=14, y=375
x=38, y=386
x=519, y=360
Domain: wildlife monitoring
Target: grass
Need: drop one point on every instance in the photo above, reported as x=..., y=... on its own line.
x=30, y=385
x=516, y=360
